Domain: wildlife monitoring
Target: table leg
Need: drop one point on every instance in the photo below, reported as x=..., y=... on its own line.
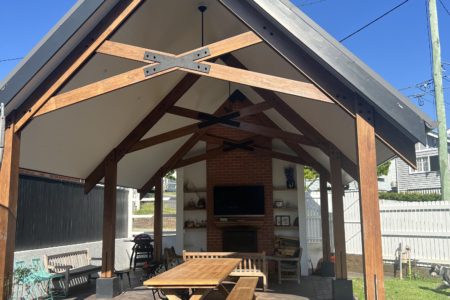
x=222, y=289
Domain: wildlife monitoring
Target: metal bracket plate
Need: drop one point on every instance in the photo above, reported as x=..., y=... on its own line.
x=227, y=119
x=187, y=61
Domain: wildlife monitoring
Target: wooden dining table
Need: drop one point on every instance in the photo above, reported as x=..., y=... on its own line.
x=199, y=274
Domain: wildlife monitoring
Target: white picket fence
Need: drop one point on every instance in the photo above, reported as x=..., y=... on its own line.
x=424, y=226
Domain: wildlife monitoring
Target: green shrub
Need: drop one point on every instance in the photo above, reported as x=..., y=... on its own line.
x=409, y=196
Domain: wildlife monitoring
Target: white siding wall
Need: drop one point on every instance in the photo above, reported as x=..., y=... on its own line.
x=415, y=181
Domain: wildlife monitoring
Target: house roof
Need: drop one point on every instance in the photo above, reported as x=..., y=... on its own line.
x=295, y=48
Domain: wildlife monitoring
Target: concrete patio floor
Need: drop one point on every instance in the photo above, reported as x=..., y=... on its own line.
x=310, y=288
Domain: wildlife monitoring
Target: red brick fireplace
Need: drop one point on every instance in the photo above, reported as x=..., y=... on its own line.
x=240, y=167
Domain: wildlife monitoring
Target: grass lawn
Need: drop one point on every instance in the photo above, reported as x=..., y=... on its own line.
x=406, y=289
x=148, y=209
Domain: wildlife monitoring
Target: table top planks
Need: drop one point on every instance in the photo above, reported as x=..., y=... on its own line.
x=199, y=272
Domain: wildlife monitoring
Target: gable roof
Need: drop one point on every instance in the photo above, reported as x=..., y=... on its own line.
x=293, y=43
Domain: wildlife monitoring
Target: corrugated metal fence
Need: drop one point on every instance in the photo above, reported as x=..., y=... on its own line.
x=53, y=213
x=424, y=226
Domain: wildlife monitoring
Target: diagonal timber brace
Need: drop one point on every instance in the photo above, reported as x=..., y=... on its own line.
x=247, y=145
x=212, y=120
x=187, y=61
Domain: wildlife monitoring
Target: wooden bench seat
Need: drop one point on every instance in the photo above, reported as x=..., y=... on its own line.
x=252, y=264
x=89, y=269
x=244, y=289
x=76, y=267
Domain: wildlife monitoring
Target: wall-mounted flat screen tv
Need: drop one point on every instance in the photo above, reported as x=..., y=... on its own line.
x=244, y=200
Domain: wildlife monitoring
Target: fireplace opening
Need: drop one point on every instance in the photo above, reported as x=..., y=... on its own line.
x=240, y=240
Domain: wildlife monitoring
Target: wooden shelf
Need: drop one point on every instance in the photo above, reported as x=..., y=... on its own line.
x=194, y=228
x=281, y=189
x=285, y=208
x=287, y=227
x=239, y=223
x=194, y=209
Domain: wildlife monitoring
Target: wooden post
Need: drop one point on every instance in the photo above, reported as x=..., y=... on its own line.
x=370, y=209
x=338, y=214
x=9, y=189
x=325, y=218
x=158, y=224
x=109, y=218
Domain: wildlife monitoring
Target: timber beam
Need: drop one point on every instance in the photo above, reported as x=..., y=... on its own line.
x=109, y=218
x=164, y=137
x=190, y=129
x=275, y=133
x=158, y=220
x=178, y=62
x=337, y=191
x=9, y=194
x=233, y=119
x=141, y=74
x=325, y=220
x=368, y=198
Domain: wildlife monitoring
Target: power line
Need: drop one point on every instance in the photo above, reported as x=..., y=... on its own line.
x=10, y=59
x=312, y=2
x=445, y=7
x=370, y=23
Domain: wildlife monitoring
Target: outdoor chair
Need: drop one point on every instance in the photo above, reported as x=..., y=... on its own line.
x=43, y=279
x=120, y=273
x=23, y=281
x=151, y=270
x=290, y=267
x=171, y=258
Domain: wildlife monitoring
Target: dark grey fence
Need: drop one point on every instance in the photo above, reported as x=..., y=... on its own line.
x=54, y=213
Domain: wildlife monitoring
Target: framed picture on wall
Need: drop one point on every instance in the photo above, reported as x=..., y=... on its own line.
x=278, y=204
x=285, y=220
x=278, y=221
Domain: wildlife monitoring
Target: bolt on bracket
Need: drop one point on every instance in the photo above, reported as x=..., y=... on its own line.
x=187, y=61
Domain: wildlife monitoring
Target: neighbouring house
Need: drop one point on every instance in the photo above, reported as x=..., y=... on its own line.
x=425, y=179
x=123, y=92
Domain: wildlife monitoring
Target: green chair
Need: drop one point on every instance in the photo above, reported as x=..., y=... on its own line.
x=44, y=279
x=23, y=281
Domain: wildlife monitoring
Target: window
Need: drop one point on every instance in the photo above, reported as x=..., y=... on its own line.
x=426, y=164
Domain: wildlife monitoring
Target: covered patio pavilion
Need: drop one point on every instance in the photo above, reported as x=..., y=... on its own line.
x=122, y=92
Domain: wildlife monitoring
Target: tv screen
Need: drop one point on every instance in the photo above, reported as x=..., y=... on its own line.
x=239, y=200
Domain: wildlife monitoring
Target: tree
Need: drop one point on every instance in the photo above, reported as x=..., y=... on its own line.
x=170, y=175
x=383, y=169
x=311, y=175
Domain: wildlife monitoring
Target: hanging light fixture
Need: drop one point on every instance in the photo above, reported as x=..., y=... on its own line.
x=202, y=8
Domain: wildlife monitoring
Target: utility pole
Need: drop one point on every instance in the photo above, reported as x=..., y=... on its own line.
x=440, y=106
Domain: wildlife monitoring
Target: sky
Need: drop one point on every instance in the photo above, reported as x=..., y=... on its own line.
x=397, y=46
